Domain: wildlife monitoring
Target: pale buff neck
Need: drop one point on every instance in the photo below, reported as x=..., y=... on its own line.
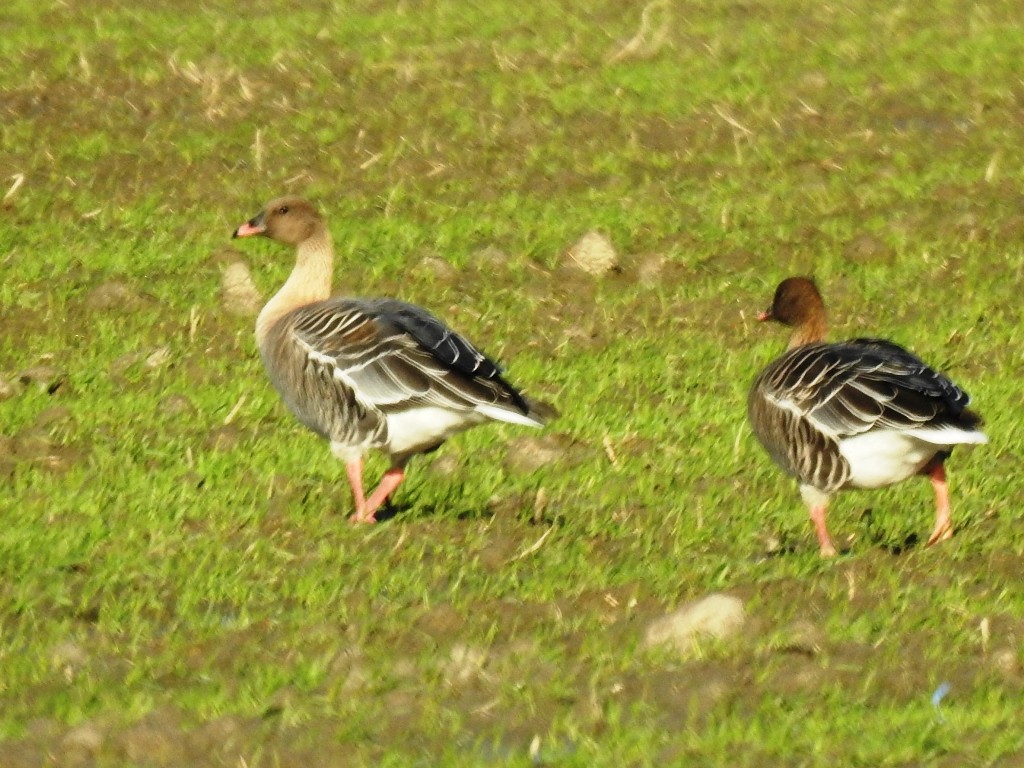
x=810, y=331
x=309, y=282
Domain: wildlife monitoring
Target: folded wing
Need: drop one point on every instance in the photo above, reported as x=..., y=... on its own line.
x=852, y=387
x=395, y=355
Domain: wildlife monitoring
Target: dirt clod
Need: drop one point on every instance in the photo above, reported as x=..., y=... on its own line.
x=1006, y=661
x=114, y=294
x=464, y=664
x=802, y=636
x=68, y=656
x=491, y=258
x=865, y=248
x=239, y=295
x=49, y=378
x=81, y=744
x=54, y=416
x=440, y=621
x=716, y=616
x=7, y=389
x=651, y=269
x=33, y=445
x=176, y=405
x=528, y=454
x=438, y=269
x=594, y=254
x=445, y=465
x=158, y=358
x=223, y=439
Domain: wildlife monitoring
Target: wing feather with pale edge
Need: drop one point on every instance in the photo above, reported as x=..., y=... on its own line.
x=851, y=387
x=393, y=355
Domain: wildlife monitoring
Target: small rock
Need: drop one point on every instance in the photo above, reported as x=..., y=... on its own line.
x=113, y=294
x=1006, y=661
x=121, y=365
x=445, y=465
x=865, y=248
x=773, y=543
x=68, y=657
x=491, y=257
x=440, y=621
x=464, y=664
x=716, y=616
x=7, y=389
x=239, y=295
x=438, y=268
x=224, y=438
x=651, y=270
x=528, y=454
x=815, y=80
x=158, y=359
x=85, y=739
x=802, y=636
x=33, y=444
x=356, y=680
x=47, y=377
x=54, y=416
x=176, y=405
x=152, y=742
x=594, y=254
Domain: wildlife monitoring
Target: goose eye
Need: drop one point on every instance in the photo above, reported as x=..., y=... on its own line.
x=283, y=209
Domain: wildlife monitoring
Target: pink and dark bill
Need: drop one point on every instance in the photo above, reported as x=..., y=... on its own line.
x=253, y=226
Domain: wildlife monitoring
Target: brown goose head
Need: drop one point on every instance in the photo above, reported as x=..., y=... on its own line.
x=798, y=304
x=289, y=220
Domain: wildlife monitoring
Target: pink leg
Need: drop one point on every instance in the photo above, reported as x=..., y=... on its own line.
x=391, y=480
x=943, y=523
x=354, y=470
x=824, y=540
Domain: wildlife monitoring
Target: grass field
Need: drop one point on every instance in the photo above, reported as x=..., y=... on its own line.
x=179, y=584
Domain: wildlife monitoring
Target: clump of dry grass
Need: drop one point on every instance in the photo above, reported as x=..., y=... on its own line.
x=655, y=21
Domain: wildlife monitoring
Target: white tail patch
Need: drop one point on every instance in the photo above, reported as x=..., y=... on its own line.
x=512, y=417
x=949, y=436
x=421, y=427
x=418, y=428
x=882, y=457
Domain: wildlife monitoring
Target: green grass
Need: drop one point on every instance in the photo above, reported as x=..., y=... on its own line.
x=186, y=591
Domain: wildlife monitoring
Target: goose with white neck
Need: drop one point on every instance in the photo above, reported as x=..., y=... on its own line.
x=864, y=413
x=370, y=373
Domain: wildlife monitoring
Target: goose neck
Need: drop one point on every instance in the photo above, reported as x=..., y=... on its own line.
x=309, y=282
x=812, y=330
